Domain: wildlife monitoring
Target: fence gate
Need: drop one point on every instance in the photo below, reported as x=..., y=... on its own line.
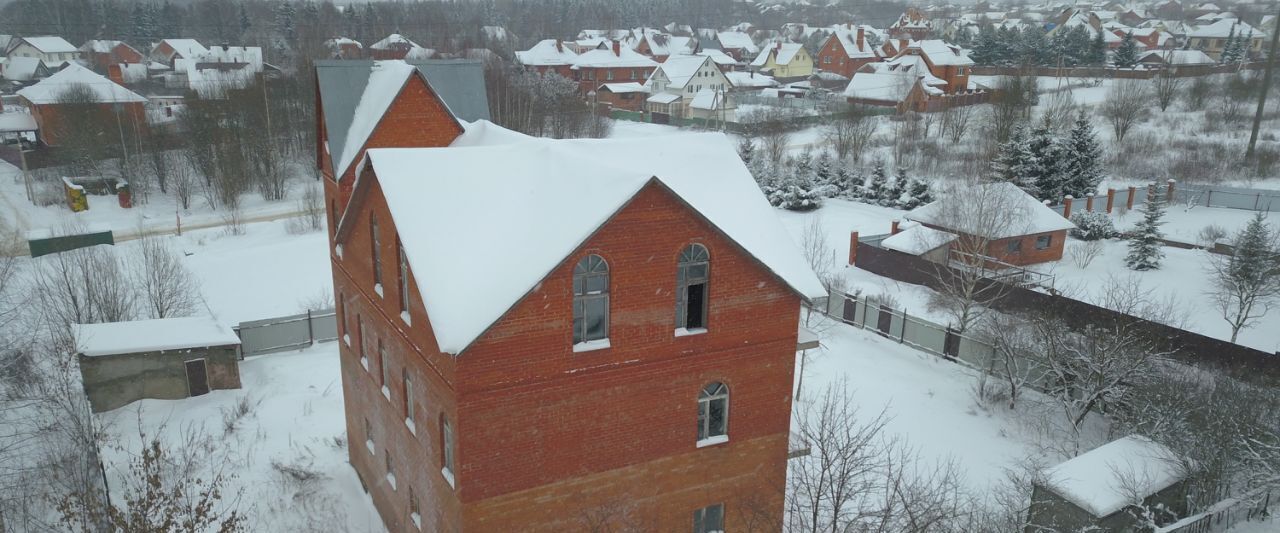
x=885, y=320
x=951, y=344
x=287, y=332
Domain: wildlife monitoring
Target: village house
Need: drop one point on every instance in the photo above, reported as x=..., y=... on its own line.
x=692, y=80
x=738, y=45
x=1172, y=59
x=549, y=55
x=23, y=69
x=928, y=75
x=611, y=62
x=1095, y=490
x=1031, y=233
x=723, y=61
x=660, y=46
x=51, y=49
x=168, y=51
x=216, y=70
x=629, y=96
x=394, y=46
x=846, y=50
x=1148, y=38
x=1212, y=39
x=103, y=53
x=913, y=24
x=344, y=48
x=785, y=62
x=45, y=101
x=448, y=366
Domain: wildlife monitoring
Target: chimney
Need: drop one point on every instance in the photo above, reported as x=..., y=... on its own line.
x=559, y=45
x=860, y=37
x=777, y=47
x=893, y=227
x=848, y=25
x=617, y=48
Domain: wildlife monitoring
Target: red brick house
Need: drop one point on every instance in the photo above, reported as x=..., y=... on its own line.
x=1031, y=233
x=102, y=54
x=626, y=96
x=549, y=55
x=344, y=48
x=540, y=374
x=611, y=62
x=394, y=46
x=52, y=113
x=169, y=50
x=913, y=24
x=846, y=50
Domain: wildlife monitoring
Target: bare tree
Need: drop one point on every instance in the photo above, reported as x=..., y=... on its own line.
x=1011, y=105
x=850, y=131
x=1166, y=87
x=955, y=122
x=1125, y=105
x=1246, y=284
x=1013, y=357
x=167, y=288
x=183, y=179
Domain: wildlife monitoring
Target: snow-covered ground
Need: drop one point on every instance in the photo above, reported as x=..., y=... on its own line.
x=294, y=428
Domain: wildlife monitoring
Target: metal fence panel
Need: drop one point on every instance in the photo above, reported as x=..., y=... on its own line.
x=287, y=332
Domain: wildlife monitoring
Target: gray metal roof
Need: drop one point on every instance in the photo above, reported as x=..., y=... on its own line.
x=459, y=82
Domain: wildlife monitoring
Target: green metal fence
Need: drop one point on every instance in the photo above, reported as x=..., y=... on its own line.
x=52, y=244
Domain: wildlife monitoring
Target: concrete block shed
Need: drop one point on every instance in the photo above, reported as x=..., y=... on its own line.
x=168, y=358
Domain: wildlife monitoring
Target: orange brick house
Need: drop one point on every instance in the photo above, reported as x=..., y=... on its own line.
x=53, y=114
x=1027, y=232
x=847, y=50
x=103, y=53
x=539, y=375
x=913, y=24
x=611, y=62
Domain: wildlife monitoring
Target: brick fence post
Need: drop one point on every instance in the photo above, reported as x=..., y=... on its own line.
x=1111, y=199
x=893, y=227
x=1128, y=204
x=853, y=247
x=1088, y=202
x=1066, y=206
x=1168, y=194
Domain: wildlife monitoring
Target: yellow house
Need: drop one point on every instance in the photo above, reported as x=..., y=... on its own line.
x=785, y=60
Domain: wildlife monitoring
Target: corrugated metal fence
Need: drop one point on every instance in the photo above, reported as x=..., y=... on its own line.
x=287, y=332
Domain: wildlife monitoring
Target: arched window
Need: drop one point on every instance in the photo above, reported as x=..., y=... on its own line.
x=590, y=299
x=713, y=412
x=691, y=287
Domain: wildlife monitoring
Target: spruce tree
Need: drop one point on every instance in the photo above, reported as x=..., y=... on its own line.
x=746, y=150
x=1081, y=159
x=893, y=193
x=1247, y=283
x=1145, y=243
x=1126, y=55
x=879, y=182
x=987, y=48
x=1016, y=163
x=1097, y=50
x=1045, y=170
x=822, y=172
x=1228, y=54
x=917, y=195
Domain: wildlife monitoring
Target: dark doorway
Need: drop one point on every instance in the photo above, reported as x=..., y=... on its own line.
x=661, y=118
x=197, y=378
x=885, y=319
x=951, y=344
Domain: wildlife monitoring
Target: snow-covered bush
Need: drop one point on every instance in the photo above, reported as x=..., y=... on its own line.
x=1092, y=226
x=795, y=198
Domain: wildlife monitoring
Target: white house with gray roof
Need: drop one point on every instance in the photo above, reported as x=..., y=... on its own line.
x=684, y=80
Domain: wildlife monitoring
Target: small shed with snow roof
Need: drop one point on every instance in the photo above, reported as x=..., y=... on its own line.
x=1014, y=227
x=167, y=358
x=1109, y=488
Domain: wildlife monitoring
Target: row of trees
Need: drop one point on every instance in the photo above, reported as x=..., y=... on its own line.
x=800, y=183
x=1031, y=46
x=1050, y=165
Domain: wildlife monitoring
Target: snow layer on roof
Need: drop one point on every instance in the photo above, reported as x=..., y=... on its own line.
x=188, y=48
x=706, y=99
x=19, y=68
x=1104, y=480
x=498, y=181
x=604, y=57
x=1033, y=216
x=855, y=50
x=680, y=69
x=941, y=53
x=152, y=335
x=1222, y=28
x=737, y=40
x=11, y=121
x=718, y=56
x=49, y=89
x=885, y=86
x=663, y=98
x=50, y=44
x=786, y=52
x=99, y=46
x=1179, y=57
x=545, y=53
x=631, y=87
x=343, y=41
x=917, y=239
x=385, y=81
x=750, y=79
x=390, y=40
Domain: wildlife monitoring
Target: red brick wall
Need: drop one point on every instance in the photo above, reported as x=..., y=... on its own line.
x=544, y=433
x=52, y=122
x=590, y=78
x=627, y=101
x=839, y=59
x=1029, y=255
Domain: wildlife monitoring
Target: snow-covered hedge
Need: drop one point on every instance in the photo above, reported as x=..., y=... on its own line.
x=1093, y=226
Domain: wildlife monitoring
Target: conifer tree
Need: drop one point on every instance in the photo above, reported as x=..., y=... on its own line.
x=1045, y=170
x=893, y=193
x=917, y=195
x=1016, y=163
x=822, y=172
x=843, y=181
x=1126, y=55
x=1144, y=245
x=987, y=48
x=879, y=182
x=1246, y=284
x=1081, y=159
x=1097, y=50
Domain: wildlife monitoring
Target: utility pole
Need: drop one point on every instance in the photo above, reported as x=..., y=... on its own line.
x=1266, y=88
x=26, y=174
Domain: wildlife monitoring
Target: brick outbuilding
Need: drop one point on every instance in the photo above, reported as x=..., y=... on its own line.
x=1011, y=225
x=535, y=331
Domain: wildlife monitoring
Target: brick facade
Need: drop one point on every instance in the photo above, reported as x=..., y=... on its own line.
x=545, y=436
x=834, y=58
x=589, y=78
x=53, y=122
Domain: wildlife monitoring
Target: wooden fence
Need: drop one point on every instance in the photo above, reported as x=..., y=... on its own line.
x=1185, y=71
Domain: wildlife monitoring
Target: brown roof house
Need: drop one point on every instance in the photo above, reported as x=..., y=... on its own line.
x=167, y=358
x=1116, y=487
x=1010, y=225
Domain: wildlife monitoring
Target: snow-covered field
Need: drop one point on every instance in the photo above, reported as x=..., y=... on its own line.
x=285, y=459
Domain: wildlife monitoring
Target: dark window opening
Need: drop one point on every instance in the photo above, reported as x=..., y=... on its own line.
x=692, y=275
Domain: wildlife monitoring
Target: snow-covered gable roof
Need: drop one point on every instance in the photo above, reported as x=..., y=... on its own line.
x=343, y=41
x=750, y=79
x=680, y=69
x=1222, y=28
x=882, y=86
x=620, y=88
x=662, y=44
x=717, y=56
x=100, y=46
x=604, y=57
x=548, y=52
x=1107, y=479
x=1033, y=216
x=20, y=68
x=49, y=44
x=941, y=53
x=48, y=90
x=917, y=239
x=385, y=82
x=737, y=40
x=663, y=98
x=395, y=40
x=152, y=336
x=854, y=49
x=250, y=55
x=783, y=54
x=492, y=176
x=1178, y=57
x=188, y=48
